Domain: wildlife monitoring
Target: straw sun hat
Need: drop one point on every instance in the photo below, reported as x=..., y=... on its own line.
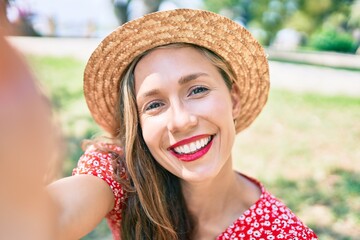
x=212, y=31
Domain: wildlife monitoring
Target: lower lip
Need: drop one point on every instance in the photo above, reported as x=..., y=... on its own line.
x=193, y=156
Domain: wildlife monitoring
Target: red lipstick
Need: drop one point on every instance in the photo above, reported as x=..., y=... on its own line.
x=188, y=140
x=188, y=157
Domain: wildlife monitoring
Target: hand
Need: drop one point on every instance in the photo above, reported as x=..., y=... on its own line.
x=27, y=145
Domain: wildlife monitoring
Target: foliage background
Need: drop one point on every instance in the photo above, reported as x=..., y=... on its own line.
x=316, y=23
x=313, y=19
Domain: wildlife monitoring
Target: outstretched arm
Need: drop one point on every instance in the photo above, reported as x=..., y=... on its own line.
x=81, y=201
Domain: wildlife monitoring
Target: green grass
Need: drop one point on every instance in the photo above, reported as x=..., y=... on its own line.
x=304, y=147
x=62, y=79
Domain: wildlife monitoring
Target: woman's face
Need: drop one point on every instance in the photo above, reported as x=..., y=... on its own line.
x=186, y=112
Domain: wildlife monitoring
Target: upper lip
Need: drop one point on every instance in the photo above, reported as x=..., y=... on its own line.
x=189, y=140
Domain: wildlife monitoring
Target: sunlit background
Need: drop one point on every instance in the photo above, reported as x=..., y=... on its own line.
x=305, y=145
x=323, y=25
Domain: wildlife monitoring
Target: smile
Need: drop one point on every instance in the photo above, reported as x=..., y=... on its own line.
x=193, y=148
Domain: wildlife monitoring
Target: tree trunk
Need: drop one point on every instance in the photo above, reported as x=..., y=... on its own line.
x=4, y=22
x=124, y=13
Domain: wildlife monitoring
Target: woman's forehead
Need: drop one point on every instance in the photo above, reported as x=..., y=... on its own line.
x=172, y=63
x=160, y=58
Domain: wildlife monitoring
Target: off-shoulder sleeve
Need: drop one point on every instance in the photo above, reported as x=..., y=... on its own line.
x=99, y=164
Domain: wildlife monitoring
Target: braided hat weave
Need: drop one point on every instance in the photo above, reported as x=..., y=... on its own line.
x=221, y=35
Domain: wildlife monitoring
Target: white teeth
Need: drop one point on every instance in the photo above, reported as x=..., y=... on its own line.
x=202, y=141
x=186, y=148
x=198, y=144
x=192, y=147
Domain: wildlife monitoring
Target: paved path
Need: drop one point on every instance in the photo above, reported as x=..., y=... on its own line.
x=306, y=78
x=80, y=48
x=295, y=77
x=339, y=60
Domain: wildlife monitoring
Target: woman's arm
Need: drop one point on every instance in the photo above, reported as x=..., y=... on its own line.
x=82, y=201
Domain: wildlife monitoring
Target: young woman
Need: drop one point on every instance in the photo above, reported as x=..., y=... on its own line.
x=173, y=89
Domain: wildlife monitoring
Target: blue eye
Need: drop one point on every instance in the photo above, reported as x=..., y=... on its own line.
x=153, y=106
x=198, y=90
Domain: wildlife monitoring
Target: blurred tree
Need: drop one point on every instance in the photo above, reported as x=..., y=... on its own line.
x=22, y=25
x=236, y=9
x=267, y=15
x=120, y=8
x=354, y=20
x=126, y=10
x=325, y=13
x=332, y=40
x=4, y=22
x=306, y=16
x=330, y=29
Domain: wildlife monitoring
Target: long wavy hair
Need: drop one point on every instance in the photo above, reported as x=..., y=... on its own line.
x=155, y=207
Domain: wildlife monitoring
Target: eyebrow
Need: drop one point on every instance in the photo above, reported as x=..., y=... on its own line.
x=150, y=93
x=193, y=76
x=183, y=80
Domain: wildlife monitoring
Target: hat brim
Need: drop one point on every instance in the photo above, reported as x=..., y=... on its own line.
x=219, y=34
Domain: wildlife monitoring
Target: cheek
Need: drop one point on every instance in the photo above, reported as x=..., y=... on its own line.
x=217, y=108
x=151, y=130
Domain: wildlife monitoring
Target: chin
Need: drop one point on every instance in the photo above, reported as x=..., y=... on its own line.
x=198, y=175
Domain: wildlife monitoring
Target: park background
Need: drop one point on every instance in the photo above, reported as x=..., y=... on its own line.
x=305, y=144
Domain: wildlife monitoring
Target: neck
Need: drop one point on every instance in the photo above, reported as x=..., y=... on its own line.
x=200, y=196
x=216, y=203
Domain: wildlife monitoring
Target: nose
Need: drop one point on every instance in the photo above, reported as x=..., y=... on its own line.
x=180, y=118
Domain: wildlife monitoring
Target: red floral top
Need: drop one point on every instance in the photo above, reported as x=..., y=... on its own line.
x=267, y=219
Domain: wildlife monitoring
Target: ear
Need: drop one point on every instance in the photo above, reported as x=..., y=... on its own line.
x=235, y=99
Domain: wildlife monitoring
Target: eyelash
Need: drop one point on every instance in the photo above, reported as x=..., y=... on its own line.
x=203, y=89
x=197, y=90
x=151, y=106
